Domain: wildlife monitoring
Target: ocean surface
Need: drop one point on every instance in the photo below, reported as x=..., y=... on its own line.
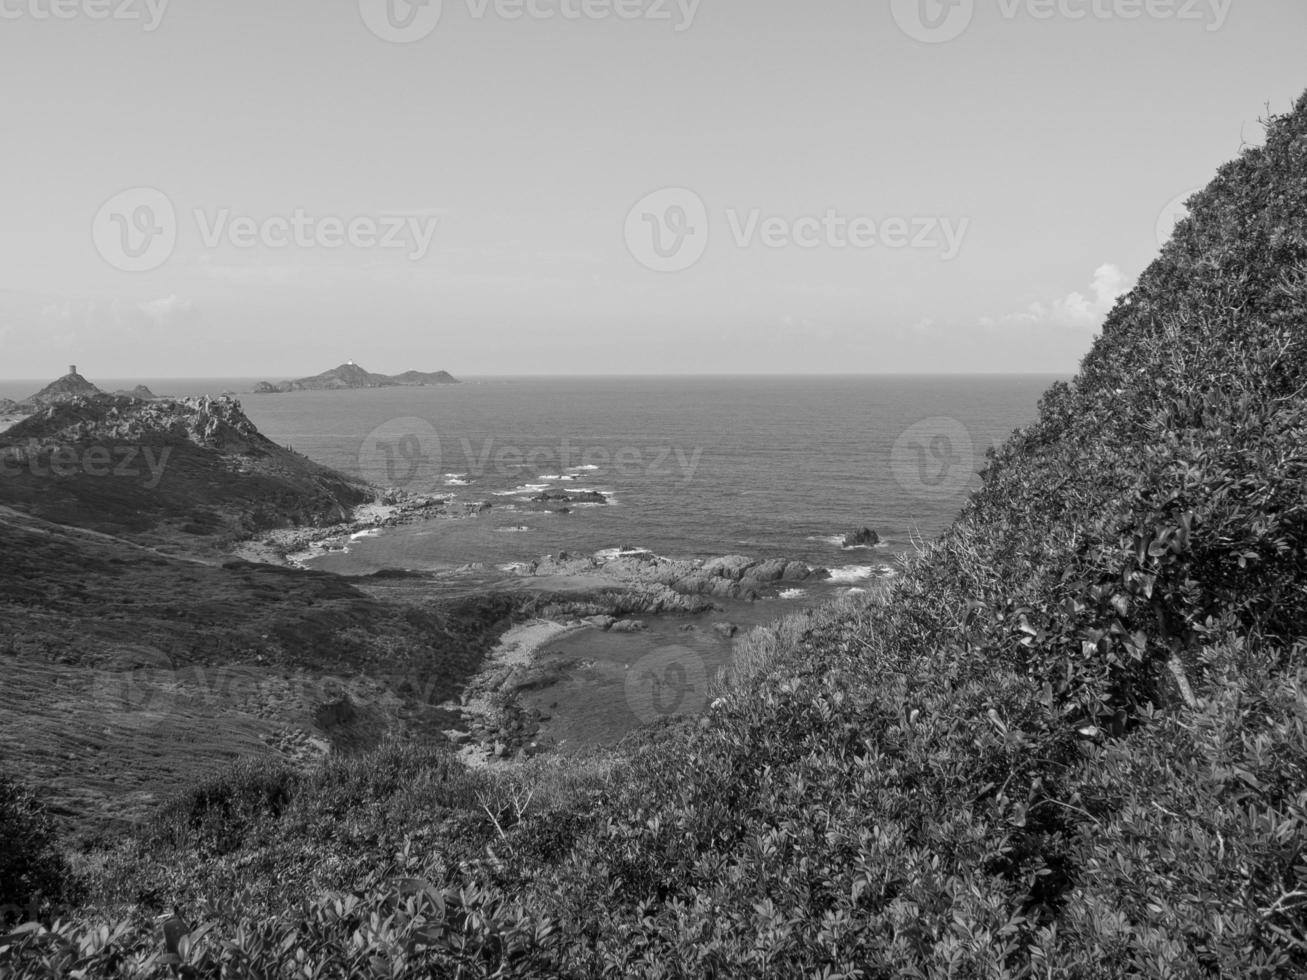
x=693, y=466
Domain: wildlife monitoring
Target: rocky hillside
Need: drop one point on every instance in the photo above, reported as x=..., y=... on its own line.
x=190, y=473
x=350, y=375
x=135, y=656
x=140, y=391
x=128, y=674
x=71, y=385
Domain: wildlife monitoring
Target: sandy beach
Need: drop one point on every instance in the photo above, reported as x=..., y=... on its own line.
x=517, y=648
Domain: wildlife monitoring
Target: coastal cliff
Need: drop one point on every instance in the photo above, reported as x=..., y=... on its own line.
x=190, y=473
x=350, y=375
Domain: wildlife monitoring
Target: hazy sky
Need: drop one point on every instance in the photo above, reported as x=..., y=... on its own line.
x=857, y=185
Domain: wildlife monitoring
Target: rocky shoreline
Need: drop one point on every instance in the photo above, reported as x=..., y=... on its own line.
x=620, y=591
x=611, y=592
x=294, y=546
x=496, y=728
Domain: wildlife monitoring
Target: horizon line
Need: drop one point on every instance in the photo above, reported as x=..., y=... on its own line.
x=688, y=374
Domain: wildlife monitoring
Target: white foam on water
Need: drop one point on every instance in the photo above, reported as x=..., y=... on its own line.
x=794, y=593
x=608, y=554
x=512, y=530
x=852, y=573
x=837, y=541
x=522, y=491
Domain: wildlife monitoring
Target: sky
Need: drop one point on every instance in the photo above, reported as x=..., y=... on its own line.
x=505, y=187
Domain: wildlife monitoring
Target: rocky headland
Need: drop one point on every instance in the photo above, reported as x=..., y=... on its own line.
x=728, y=577
x=350, y=375
x=191, y=474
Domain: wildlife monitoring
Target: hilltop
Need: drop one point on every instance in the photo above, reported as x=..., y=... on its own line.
x=350, y=375
x=1069, y=741
x=71, y=385
x=191, y=473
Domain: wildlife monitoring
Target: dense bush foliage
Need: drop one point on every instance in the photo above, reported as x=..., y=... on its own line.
x=34, y=876
x=1070, y=742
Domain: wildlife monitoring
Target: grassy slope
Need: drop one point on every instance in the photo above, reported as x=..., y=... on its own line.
x=132, y=667
x=1070, y=743
x=129, y=674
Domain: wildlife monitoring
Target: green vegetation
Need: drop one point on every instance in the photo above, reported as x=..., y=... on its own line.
x=34, y=875
x=1070, y=742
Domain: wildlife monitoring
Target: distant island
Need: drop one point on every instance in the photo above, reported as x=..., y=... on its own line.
x=350, y=375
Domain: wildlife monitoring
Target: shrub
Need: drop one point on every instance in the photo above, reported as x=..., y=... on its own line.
x=35, y=878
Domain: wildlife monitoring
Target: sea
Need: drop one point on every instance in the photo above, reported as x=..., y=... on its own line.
x=692, y=467
x=689, y=467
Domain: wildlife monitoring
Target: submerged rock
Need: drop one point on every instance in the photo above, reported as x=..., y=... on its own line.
x=864, y=538
x=628, y=626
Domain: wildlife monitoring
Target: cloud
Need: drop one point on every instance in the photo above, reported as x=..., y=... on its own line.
x=1078, y=311
x=167, y=309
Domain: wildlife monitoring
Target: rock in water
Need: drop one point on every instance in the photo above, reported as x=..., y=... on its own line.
x=865, y=538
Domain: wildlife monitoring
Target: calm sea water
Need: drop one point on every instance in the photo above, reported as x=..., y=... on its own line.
x=695, y=466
